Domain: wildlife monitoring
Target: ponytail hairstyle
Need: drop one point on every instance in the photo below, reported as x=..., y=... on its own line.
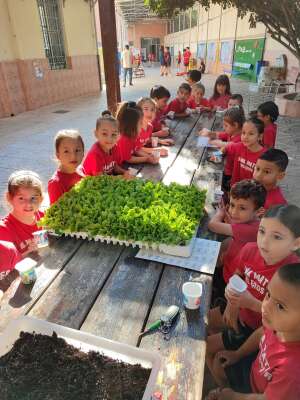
x=129, y=115
x=106, y=117
x=235, y=115
x=288, y=215
x=221, y=80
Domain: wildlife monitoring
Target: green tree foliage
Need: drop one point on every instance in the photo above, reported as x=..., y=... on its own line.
x=281, y=17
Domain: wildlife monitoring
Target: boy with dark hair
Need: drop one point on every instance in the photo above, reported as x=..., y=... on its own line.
x=193, y=76
x=235, y=100
x=268, y=113
x=178, y=108
x=269, y=170
x=160, y=95
x=273, y=373
x=240, y=222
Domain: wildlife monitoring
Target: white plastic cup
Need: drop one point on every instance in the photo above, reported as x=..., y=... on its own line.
x=133, y=171
x=198, y=110
x=154, y=141
x=156, y=153
x=41, y=238
x=192, y=292
x=218, y=195
x=237, y=284
x=26, y=269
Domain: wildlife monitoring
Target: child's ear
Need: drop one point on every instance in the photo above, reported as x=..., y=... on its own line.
x=296, y=244
x=95, y=133
x=280, y=175
x=8, y=197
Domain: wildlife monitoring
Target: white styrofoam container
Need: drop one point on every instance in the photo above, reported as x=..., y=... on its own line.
x=85, y=342
x=174, y=250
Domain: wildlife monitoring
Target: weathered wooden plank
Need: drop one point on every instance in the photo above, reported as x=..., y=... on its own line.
x=122, y=306
x=68, y=300
x=188, y=159
x=180, y=133
x=181, y=374
x=19, y=297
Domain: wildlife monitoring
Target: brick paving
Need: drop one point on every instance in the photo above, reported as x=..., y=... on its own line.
x=26, y=141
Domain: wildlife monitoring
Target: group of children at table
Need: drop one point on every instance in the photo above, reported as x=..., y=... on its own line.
x=263, y=231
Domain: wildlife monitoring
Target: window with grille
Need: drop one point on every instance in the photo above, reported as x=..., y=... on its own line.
x=52, y=33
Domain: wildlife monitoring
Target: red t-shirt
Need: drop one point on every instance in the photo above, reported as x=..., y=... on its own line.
x=191, y=103
x=257, y=275
x=269, y=137
x=221, y=101
x=241, y=235
x=9, y=256
x=274, y=197
x=244, y=161
x=186, y=57
x=98, y=162
x=60, y=183
x=276, y=370
x=14, y=231
x=177, y=106
x=143, y=137
x=159, y=116
x=126, y=146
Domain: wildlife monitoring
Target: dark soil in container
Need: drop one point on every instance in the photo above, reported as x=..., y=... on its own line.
x=41, y=367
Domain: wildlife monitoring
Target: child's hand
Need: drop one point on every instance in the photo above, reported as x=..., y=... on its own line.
x=163, y=152
x=166, y=142
x=230, y=317
x=228, y=394
x=204, y=132
x=152, y=160
x=127, y=175
x=227, y=357
x=32, y=247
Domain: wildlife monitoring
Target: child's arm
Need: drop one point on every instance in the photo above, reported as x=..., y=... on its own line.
x=166, y=142
x=229, y=394
x=217, y=225
x=161, y=133
x=243, y=300
x=121, y=171
x=217, y=143
x=229, y=357
x=181, y=115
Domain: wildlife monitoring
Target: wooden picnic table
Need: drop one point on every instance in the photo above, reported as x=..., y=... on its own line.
x=104, y=290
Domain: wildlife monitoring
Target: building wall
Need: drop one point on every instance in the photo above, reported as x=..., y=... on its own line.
x=153, y=29
x=26, y=80
x=217, y=26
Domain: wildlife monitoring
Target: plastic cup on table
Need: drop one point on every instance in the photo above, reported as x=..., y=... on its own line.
x=26, y=269
x=198, y=110
x=41, y=238
x=192, y=292
x=237, y=284
x=218, y=195
x=156, y=154
x=154, y=141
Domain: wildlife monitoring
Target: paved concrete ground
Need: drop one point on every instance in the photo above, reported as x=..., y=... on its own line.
x=26, y=141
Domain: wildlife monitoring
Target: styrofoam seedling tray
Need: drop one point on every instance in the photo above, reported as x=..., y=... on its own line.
x=85, y=342
x=173, y=250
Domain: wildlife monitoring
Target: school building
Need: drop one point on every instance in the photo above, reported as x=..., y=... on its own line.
x=48, y=53
x=228, y=44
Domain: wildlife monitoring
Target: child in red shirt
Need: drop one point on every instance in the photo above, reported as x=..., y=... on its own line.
x=25, y=197
x=269, y=171
x=104, y=157
x=277, y=240
x=160, y=95
x=245, y=154
x=193, y=76
x=69, y=149
x=268, y=113
x=236, y=100
x=147, y=106
x=222, y=94
x=197, y=100
x=130, y=118
x=275, y=370
x=178, y=108
x=9, y=256
x=240, y=222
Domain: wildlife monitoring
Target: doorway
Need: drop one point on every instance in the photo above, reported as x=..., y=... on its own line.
x=152, y=46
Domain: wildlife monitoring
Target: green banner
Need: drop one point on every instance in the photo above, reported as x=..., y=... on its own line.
x=246, y=55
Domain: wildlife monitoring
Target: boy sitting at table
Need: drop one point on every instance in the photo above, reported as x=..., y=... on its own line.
x=269, y=171
x=240, y=223
x=178, y=108
x=267, y=365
